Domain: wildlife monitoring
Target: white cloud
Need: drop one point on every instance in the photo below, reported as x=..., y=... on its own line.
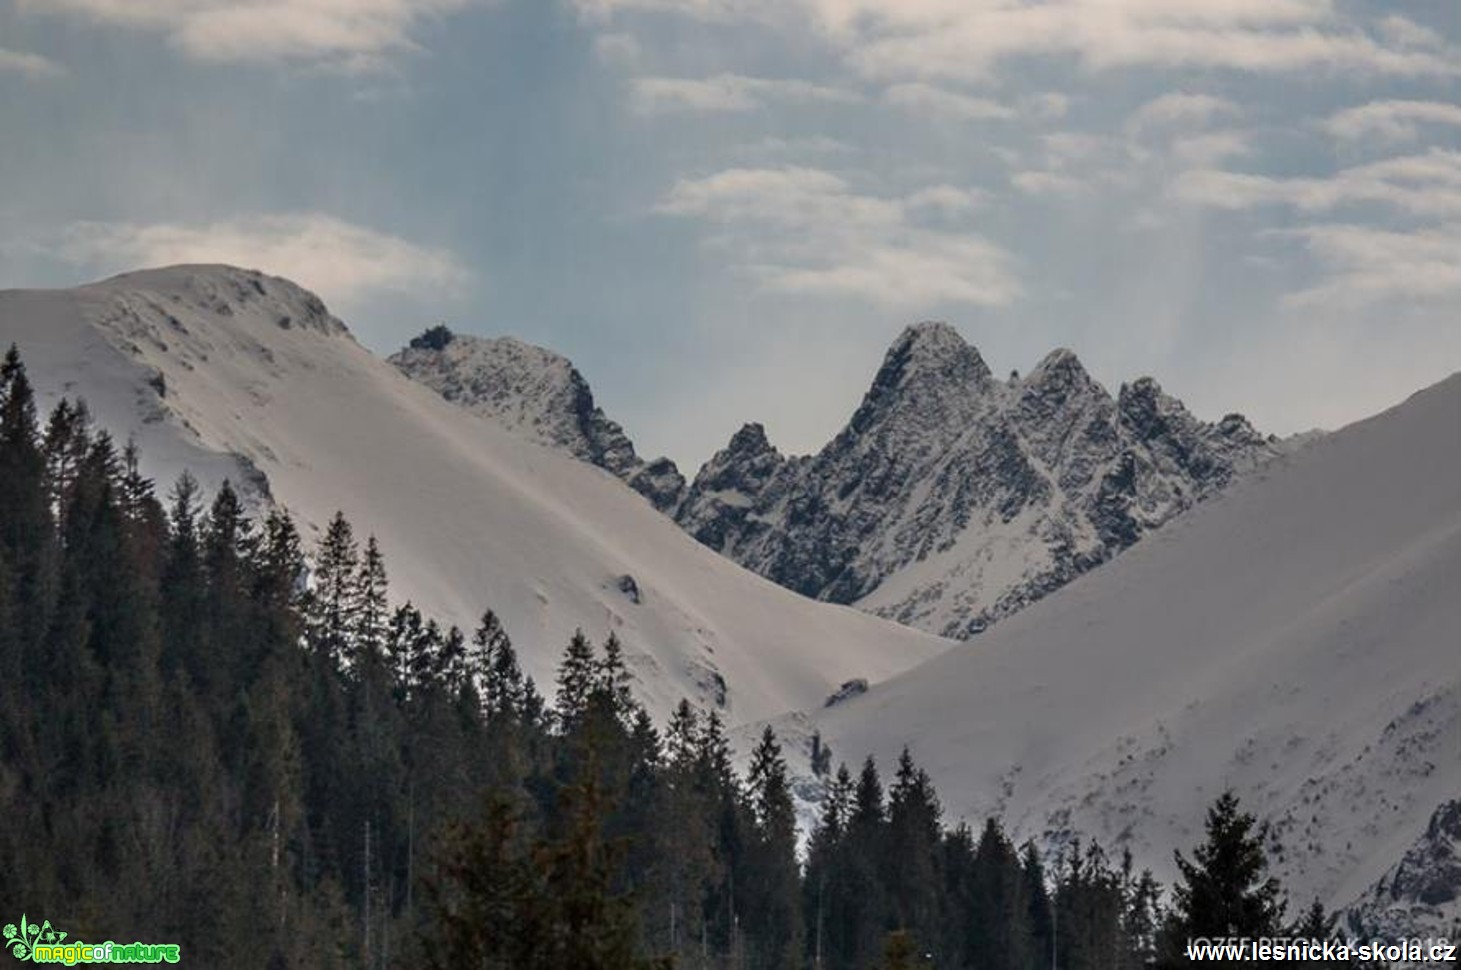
x=1270, y=37
x=1180, y=110
x=725, y=92
x=948, y=200
x=1408, y=33
x=925, y=99
x=342, y=261
x=777, y=148
x=1046, y=183
x=347, y=33
x=1392, y=120
x=969, y=39
x=809, y=231
x=1366, y=265
x=1075, y=162
x=1211, y=147
x=29, y=65
x=1427, y=185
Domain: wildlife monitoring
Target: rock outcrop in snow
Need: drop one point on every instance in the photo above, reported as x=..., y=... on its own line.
x=1421, y=895
x=539, y=395
x=952, y=498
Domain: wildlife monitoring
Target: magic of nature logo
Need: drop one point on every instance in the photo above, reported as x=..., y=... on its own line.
x=43, y=943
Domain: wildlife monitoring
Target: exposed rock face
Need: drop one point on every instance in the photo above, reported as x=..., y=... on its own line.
x=540, y=395
x=951, y=498
x=1421, y=895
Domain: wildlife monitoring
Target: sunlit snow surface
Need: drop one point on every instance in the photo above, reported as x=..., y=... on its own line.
x=469, y=515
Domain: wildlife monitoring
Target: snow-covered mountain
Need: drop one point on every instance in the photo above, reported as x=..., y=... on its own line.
x=949, y=500
x=1296, y=638
x=537, y=394
x=229, y=372
x=952, y=498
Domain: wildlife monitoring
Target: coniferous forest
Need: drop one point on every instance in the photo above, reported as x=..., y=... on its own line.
x=213, y=736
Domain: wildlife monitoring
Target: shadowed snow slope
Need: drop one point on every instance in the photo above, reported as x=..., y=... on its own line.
x=1297, y=639
x=203, y=363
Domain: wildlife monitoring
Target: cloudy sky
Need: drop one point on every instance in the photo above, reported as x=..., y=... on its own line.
x=724, y=210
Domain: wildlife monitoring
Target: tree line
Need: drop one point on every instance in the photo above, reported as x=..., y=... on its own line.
x=209, y=737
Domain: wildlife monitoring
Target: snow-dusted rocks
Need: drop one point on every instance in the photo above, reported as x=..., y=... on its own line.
x=949, y=500
x=254, y=373
x=1420, y=895
x=1294, y=638
x=537, y=394
x=952, y=498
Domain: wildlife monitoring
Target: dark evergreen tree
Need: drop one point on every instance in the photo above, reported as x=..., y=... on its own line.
x=577, y=677
x=1141, y=915
x=612, y=682
x=912, y=851
x=1224, y=890
x=372, y=607
x=773, y=905
x=332, y=615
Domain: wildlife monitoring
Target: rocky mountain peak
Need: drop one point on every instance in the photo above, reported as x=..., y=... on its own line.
x=1143, y=405
x=931, y=351
x=538, y=394
x=1058, y=388
x=950, y=498
x=935, y=336
x=1059, y=370
x=930, y=379
x=749, y=441
x=1237, y=428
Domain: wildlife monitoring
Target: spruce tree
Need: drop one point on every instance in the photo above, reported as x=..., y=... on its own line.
x=371, y=603
x=577, y=678
x=912, y=851
x=333, y=611
x=1224, y=890
x=774, y=911
x=27, y=536
x=612, y=682
x=1007, y=942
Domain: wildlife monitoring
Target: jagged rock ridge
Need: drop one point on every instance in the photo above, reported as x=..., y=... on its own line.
x=952, y=498
x=538, y=394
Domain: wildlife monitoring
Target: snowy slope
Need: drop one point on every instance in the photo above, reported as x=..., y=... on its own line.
x=1297, y=638
x=469, y=515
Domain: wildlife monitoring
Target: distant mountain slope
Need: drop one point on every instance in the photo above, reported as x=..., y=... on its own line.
x=206, y=363
x=949, y=500
x=1297, y=638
